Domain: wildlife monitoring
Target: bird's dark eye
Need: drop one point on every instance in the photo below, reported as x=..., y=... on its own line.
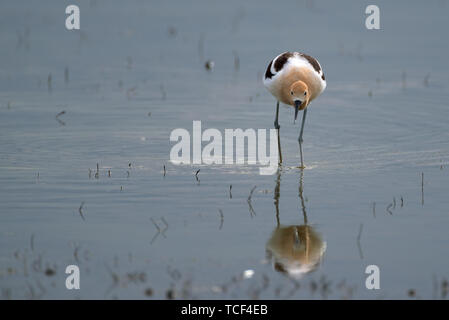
x=305, y=93
x=291, y=92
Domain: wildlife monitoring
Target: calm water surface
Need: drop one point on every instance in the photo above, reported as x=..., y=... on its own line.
x=376, y=147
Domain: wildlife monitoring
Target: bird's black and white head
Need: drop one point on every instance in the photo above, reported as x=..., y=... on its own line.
x=299, y=95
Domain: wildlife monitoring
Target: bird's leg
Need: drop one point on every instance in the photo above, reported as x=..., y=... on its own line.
x=300, y=136
x=277, y=127
x=277, y=194
x=301, y=196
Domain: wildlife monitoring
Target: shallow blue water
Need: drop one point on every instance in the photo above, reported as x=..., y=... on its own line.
x=368, y=139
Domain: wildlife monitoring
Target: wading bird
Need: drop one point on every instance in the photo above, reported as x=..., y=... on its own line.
x=295, y=79
x=294, y=250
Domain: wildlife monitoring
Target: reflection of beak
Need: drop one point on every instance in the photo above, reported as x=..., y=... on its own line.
x=297, y=104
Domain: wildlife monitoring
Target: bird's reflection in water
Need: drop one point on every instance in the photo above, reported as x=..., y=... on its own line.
x=296, y=249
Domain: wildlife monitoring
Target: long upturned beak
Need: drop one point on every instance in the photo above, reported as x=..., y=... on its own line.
x=297, y=105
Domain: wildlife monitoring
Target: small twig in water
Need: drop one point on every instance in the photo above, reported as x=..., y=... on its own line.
x=251, y=209
x=49, y=82
x=159, y=231
x=166, y=225
x=422, y=188
x=75, y=253
x=388, y=209
x=221, y=219
x=156, y=225
x=251, y=193
x=196, y=175
x=80, y=210
x=62, y=123
x=359, y=236
x=154, y=237
x=236, y=61
x=66, y=75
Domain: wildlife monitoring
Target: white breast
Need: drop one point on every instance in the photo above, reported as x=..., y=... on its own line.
x=287, y=62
